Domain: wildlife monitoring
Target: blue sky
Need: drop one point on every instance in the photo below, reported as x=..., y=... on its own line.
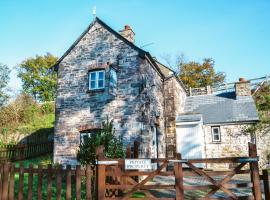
x=235, y=33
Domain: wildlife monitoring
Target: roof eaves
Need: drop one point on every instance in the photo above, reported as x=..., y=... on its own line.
x=153, y=63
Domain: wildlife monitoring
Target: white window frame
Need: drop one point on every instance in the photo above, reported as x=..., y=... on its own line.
x=213, y=134
x=96, y=79
x=82, y=137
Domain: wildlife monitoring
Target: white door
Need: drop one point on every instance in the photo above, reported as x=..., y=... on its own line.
x=189, y=140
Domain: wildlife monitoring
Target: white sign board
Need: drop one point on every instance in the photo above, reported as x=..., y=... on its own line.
x=138, y=164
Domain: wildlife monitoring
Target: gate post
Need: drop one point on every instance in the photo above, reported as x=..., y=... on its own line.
x=254, y=172
x=178, y=172
x=266, y=184
x=101, y=177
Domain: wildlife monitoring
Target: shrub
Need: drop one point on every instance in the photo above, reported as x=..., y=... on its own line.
x=113, y=146
x=48, y=107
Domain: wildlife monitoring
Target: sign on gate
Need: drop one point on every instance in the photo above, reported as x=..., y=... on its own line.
x=138, y=164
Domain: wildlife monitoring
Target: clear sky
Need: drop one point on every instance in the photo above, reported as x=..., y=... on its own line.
x=235, y=33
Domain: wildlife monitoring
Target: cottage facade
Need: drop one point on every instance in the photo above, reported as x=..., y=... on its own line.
x=105, y=75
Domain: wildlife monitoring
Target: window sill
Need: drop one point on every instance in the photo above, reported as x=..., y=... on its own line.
x=216, y=142
x=96, y=91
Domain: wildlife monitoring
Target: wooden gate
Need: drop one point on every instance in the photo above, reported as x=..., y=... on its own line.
x=114, y=182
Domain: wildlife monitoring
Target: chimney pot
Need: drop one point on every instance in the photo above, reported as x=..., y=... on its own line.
x=127, y=27
x=128, y=33
x=241, y=79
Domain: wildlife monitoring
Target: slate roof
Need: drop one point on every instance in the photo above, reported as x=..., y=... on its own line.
x=223, y=108
x=164, y=69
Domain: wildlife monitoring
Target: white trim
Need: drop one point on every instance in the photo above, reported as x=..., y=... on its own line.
x=213, y=133
x=96, y=79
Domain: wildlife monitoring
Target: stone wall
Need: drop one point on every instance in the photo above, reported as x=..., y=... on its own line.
x=234, y=142
x=135, y=104
x=175, y=97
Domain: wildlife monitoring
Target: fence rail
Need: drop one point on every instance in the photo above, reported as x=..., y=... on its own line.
x=23, y=152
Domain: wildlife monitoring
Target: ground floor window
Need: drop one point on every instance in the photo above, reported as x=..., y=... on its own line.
x=216, y=136
x=84, y=135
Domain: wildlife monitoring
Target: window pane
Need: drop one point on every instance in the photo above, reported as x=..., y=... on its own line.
x=216, y=137
x=101, y=75
x=93, y=76
x=215, y=130
x=93, y=85
x=100, y=84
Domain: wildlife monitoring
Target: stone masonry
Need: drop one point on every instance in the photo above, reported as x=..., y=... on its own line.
x=175, y=97
x=134, y=106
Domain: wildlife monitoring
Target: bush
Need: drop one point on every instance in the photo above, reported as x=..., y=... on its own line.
x=113, y=146
x=48, y=107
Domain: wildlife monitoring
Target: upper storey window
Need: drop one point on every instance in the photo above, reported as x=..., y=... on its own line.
x=96, y=80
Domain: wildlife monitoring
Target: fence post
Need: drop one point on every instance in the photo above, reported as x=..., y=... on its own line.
x=101, y=177
x=178, y=172
x=266, y=184
x=5, y=174
x=136, y=149
x=254, y=170
x=128, y=151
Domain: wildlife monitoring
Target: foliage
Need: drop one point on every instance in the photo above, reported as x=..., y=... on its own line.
x=23, y=117
x=4, y=77
x=194, y=74
x=38, y=78
x=113, y=147
x=262, y=99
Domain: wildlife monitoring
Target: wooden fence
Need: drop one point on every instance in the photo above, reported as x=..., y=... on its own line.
x=114, y=182
x=23, y=152
x=109, y=179
x=45, y=183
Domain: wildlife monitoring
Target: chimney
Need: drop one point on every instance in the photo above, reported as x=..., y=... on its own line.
x=128, y=33
x=242, y=88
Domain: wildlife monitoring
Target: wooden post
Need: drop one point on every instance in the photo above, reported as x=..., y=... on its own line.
x=21, y=179
x=59, y=182
x=254, y=170
x=40, y=177
x=101, y=177
x=30, y=182
x=136, y=149
x=128, y=151
x=5, y=182
x=1, y=178
x=178, y=172
x=78, y=182
x=88, y=182
x=11, y=182
x=49, y=182
x=266, y=184
x=68, y=182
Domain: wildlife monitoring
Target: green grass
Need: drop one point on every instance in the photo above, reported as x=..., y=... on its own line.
x=43, y=160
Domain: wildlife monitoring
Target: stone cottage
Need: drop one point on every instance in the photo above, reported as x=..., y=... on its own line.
x=104, y=74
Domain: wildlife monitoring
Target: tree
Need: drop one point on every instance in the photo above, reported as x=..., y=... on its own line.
x=4, y=77
x=38, y=78
x=194, y=74
x=262, y=99
x=106, y=137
